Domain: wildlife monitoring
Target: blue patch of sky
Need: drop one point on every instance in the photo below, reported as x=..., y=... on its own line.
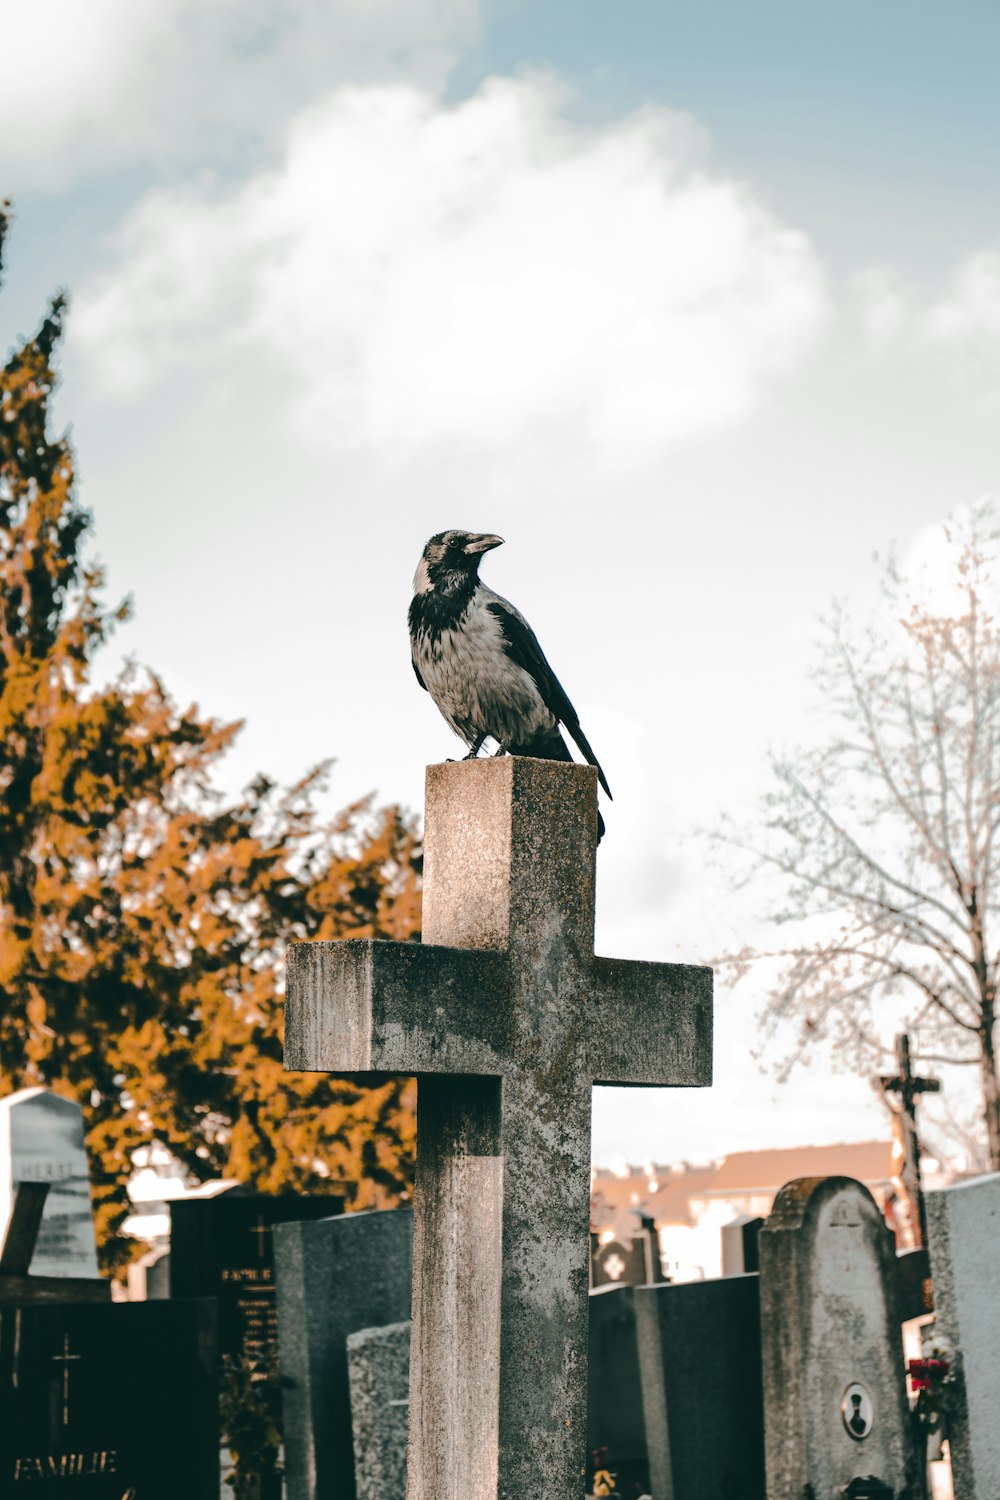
x=53, y=235
x=873, y=124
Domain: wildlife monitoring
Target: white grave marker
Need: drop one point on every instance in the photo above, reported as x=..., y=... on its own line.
x=41, y=1140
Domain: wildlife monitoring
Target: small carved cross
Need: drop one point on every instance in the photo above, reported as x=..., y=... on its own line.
x=508, y=1020
x=65, y=1359
x=261, y=1230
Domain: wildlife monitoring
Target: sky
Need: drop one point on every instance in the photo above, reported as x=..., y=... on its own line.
x=697, y=306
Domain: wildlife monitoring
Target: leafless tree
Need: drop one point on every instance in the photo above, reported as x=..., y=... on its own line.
x=884, y=836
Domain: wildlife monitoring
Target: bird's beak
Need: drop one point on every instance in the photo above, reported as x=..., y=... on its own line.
x=481, y=544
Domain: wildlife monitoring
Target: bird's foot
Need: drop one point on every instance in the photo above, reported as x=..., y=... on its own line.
x=501, y=748
x=475, y=748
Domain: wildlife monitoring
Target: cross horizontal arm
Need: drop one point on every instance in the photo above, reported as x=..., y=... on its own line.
x=650, y=1023
x=368, y=1006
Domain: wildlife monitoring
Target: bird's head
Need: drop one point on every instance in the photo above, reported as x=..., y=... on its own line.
x=451, y=559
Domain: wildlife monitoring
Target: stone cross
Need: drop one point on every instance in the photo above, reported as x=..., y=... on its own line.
x=909, y=1087
x=507, y=1019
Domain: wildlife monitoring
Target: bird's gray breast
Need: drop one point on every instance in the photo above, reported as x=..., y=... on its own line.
x=473, y=681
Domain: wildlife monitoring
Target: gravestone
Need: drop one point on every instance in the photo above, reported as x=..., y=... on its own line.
x=740, y=1252
x=674, y=1393
x=508, y=1020
x=614, y=1388
x=835, y=1407
x=635, y=1264
x=148, y=1278
x=963, y=1225
x=223, y=1247
x=699, y=1348
x=41, y=1141
x=335, y=1276
x=109, y=1402
x=378, y=1362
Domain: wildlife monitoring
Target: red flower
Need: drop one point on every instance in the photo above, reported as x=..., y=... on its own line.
x=925, y=1372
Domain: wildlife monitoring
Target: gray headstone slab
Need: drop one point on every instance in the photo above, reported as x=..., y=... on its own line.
x=334, y=1278
x=41, y=1140
x=614, y=1388
x=699, y=1357
x=963, y=1226
x=830, y=1334
x=378, y=1362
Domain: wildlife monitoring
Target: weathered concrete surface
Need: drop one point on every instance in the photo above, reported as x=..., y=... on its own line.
x=829, y=1319
x=378, y=1362
x=963, y=1226
x=507, y=1044
x=334, y=1277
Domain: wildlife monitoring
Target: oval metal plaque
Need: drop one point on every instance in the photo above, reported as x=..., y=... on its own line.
x=857, y=1411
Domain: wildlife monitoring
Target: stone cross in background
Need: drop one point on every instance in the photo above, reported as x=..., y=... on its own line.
x=907, y=1087
x=508, y=1020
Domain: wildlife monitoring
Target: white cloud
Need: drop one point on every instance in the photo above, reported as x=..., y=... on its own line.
x=208, y=80
x=969, y=311
x=960, y=320
x=880, y=298
x=490, y=273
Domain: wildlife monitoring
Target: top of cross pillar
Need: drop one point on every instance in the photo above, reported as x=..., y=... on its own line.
x=509, y=854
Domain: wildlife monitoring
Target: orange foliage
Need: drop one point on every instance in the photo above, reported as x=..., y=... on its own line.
x=143, y=919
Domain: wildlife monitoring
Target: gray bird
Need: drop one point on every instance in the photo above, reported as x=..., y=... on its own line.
x=479, y=659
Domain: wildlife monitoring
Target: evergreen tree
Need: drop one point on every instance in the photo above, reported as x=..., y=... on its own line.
x=143, y=918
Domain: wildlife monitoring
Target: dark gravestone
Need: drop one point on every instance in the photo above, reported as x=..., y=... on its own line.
x=614, y=1264
x=614, y=1392
x=223, y=1247
x=700, y=1362
x=85, y=1392
x=635, y=1264
x=334, y=1279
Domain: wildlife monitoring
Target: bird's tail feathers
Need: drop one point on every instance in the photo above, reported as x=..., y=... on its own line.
x=583, y=745
x=552, y=746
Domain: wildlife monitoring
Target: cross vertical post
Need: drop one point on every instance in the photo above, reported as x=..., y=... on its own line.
x=507, y=1019
x=260, y=1229
x=65, y=1359
x=909, y=1087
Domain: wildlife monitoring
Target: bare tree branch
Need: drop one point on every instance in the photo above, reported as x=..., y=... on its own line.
x=883, y=839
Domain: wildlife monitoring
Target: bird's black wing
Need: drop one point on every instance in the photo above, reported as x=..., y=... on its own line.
x=416, y=673
x=522, y=647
